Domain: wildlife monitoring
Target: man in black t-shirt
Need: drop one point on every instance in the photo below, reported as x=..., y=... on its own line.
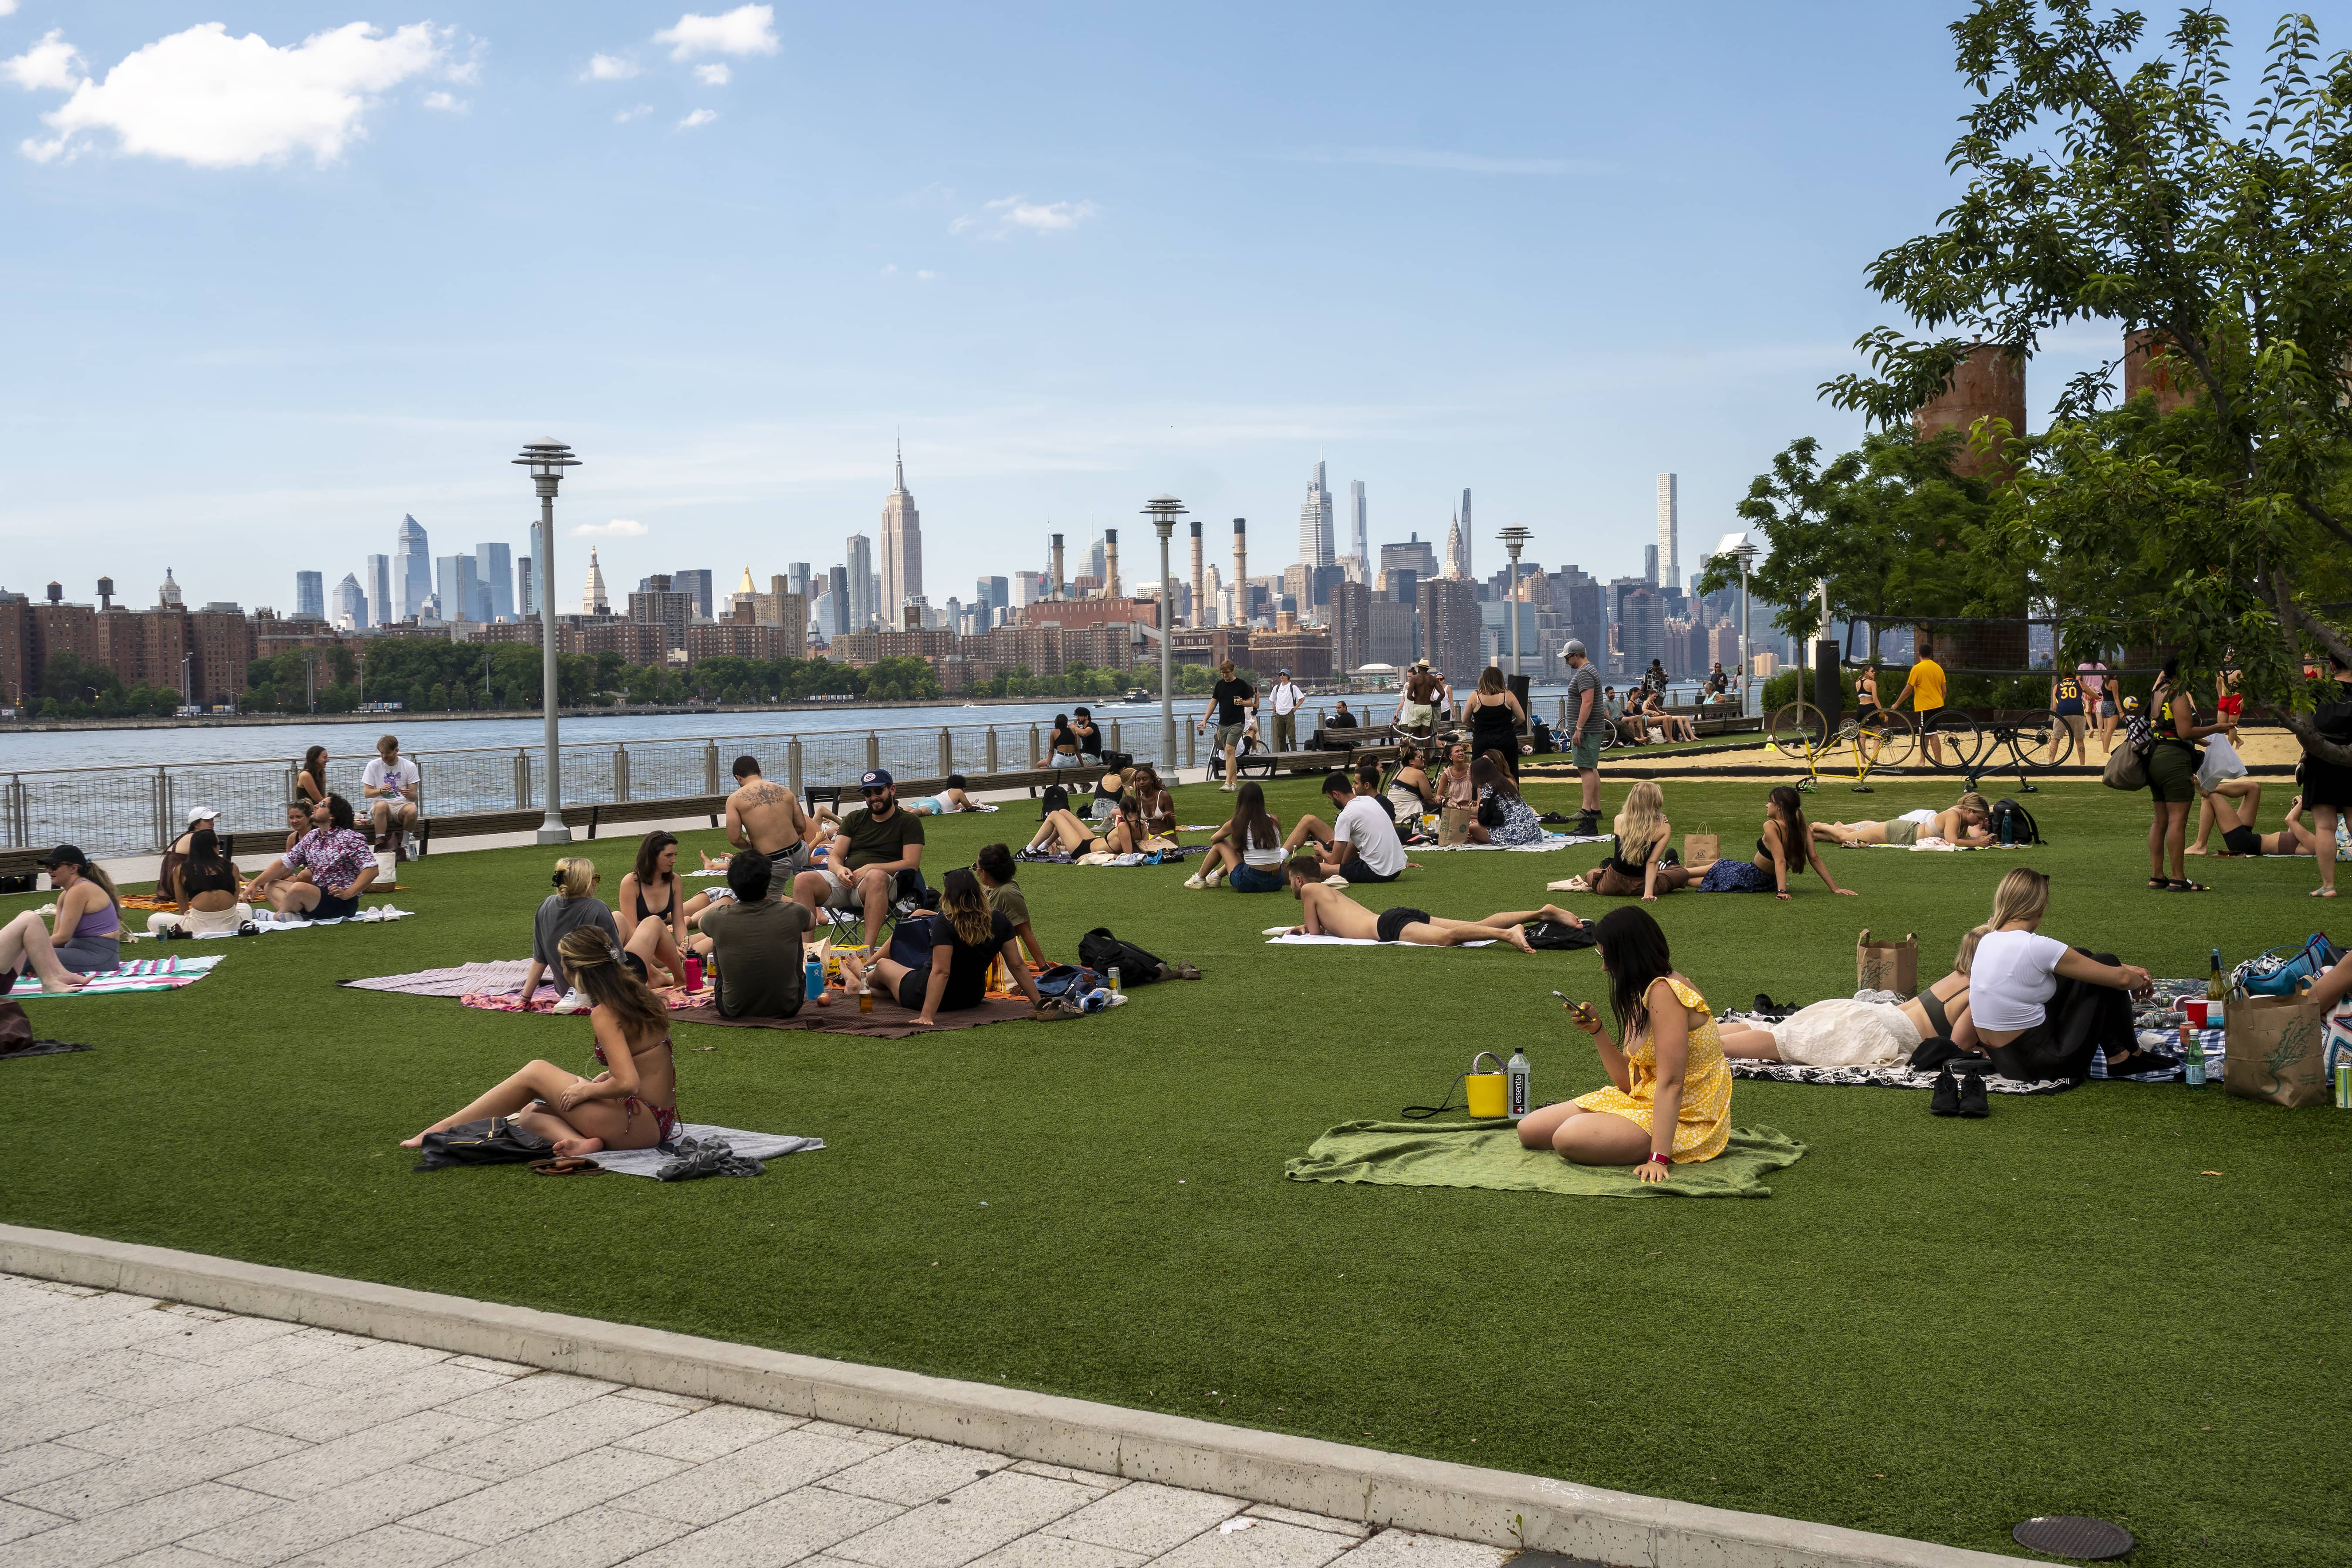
x=873, y=847
x=1229, y=702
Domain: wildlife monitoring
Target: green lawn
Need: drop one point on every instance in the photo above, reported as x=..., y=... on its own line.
x=1932, y=1328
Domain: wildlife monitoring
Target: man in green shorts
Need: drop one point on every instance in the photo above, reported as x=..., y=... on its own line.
x=1584, y=722
x=874, y=846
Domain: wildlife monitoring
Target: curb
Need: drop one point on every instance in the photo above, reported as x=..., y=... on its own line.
x=1494, y=1506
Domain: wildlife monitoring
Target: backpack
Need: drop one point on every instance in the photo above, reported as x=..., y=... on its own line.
x=493, y=1140
x=1100, y=950
x=2012, y=823
x=1053, y=799
x=1546, y=935
x=911, y=941
x=1064, y=979
x=2281, y=971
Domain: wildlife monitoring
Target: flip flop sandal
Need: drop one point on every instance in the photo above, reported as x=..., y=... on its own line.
x=2160, y=884
x=2323, y=893
x=567, y=1166
x=2178, y=887
x=1187, y=971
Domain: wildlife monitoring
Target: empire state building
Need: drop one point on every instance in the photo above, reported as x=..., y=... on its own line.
x=902, y=548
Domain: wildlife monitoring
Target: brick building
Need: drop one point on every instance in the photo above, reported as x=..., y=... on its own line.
x=1212, y=645
x=739, y=639
x=1305, y=651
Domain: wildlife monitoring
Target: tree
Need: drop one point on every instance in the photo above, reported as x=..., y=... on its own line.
x=2103, y=190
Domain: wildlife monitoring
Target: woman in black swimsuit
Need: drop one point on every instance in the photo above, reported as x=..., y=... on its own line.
x=1495, y=716
x=1637, y=864
x=652, y=915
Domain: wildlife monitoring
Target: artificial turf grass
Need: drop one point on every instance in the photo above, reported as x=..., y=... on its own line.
x=1932, y=1329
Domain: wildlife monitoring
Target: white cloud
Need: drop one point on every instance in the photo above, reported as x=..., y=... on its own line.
x=892, y=270
x=1007, y=215
x=446, y=104
x=639, y=112
x=219, y=102
x=745, y=30
x=7, y=7
x=609, y=68
x=51, y=65
x=619, y=527
x=1430, y=158
x=699, y=117
x=713, y=75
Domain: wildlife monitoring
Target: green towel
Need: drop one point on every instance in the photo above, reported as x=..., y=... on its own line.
x=1487, y=1154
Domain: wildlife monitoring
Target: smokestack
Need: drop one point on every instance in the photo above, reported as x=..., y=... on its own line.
x=1110, y=563
x=1200, y=581
x=1058, y=567
x=1241, y=571
x=1989, y=383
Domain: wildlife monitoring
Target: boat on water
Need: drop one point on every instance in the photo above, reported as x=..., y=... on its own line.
x=1136, y=694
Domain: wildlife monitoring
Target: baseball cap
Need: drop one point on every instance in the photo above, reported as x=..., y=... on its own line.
x=874, y=778
x=1574, y=650
x=63, y=854
x=202, y=813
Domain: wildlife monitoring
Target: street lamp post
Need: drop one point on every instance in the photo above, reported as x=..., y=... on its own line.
x=1515, y=538
x=547, y=461
x=1163, y=510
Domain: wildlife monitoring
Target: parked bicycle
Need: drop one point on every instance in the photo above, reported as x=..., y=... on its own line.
x=2036, y=743
x=1863, y=743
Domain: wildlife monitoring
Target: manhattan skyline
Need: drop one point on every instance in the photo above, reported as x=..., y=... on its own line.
x=1638, y=256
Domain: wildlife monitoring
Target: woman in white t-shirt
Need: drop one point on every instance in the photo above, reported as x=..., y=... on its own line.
x=2013, y=975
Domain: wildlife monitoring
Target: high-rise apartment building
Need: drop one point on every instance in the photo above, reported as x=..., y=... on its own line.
x=351, y=604
x=459, y=585
x=1649, y=565
x=659, y=603
x=1450, y=628
x=412, y=570
x=1669, y=563
x=376, y=581
x=902, y=547
x=862, y=609
x=311, y=595
x=1315, y=544
x=1350, y=621
x=1469, y=537
x=1359, y=519
x=837, y=593
x=494, y=567
x=696, y=585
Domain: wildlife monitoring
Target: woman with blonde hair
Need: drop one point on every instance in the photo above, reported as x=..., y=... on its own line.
x=1636, y=862
x=2014, y=979
x=631, y=1104
x=573, y=906
x=967, y=937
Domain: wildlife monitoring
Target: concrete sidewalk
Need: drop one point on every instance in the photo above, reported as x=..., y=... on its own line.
x=138, y=1431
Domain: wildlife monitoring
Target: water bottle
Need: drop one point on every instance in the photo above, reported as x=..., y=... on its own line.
x=2008, y=829
x=2192, y=1056
x=1517, y=1075
x=813, y=977
x=1114, y=979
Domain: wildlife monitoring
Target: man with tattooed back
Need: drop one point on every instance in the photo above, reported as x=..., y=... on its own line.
x=767, y=817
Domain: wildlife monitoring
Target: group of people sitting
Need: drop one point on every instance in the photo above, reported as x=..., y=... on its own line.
x=1643, y=862
x=1132, y=813
x=1640, y=713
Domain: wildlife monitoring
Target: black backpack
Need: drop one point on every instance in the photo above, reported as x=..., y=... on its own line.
x=1554, y=935
x=1054, y=798
x=493, y=1140
x=1100, y=950
x=2022, y=829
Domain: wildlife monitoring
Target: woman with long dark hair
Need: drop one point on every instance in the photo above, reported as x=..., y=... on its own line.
x=1519, y=824
x=1669, y=1099
x=1495, y=717
x=1062, y=749
x=1783, y=850
x=206, y=886
x=1249, y=844
x=967, y=937
x=310, y=778
x=2172, y=776
x=652, y=913
x=631, y=1104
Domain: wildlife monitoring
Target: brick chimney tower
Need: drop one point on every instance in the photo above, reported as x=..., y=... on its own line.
x=1058, y=567
x=1241, y=571
x=1110, y=563
x=1200, y=581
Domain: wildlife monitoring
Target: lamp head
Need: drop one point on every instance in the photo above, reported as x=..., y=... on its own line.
x=1163, y=510
x=546, y=461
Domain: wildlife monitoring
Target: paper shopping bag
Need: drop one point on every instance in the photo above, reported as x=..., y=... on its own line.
x=2277, y=1049
x=1887, y=965
x=1699, y=848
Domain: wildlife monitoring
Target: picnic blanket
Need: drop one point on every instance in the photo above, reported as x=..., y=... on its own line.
x=743, y=1145
x=266, y=922
x=1487, y=1154
x=1881, y=1078
x=889, y=1021
x=1284, y=936
x=499, y=976
x=1550, y=841
x=139, y=975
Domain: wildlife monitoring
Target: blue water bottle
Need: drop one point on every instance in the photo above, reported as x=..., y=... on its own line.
x=812, y=978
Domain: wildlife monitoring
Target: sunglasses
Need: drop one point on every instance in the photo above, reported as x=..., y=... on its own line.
x=875, y=789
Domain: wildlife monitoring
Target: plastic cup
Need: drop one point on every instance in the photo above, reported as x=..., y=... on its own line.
x=2198, y=1009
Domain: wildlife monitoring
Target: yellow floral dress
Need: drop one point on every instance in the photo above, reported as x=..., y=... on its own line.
x=1704, y=1125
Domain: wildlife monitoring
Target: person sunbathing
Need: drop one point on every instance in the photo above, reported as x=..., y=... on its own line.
x=767, y=817
x=967, y=939
x=87, y=934
x=652, y=913
x=2294, y=836
x=26, y=949
x=1783, y=851
x=2234, y=806
x=1070, y=834
x=1153, y=800
x=1842, y=1032
x=1331, y=913
x=631, y=1104
x=952, y=797
x=1968, y=822
x=206, y=889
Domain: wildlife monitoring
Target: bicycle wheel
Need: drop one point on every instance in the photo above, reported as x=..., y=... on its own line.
x=1888, y=739
x=1797, y=731
x=2043, y=742
x=1951, y=741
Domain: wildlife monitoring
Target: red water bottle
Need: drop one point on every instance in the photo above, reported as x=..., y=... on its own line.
x=693, y=973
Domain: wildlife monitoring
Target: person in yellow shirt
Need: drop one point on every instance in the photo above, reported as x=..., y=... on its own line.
x=1926, y=689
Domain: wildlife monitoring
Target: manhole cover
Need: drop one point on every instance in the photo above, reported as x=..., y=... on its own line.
x=2072, y=1535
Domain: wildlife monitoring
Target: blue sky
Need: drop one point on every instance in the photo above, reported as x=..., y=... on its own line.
x=1074, y=254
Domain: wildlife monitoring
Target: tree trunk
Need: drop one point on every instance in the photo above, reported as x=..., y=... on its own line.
x=2313, y=744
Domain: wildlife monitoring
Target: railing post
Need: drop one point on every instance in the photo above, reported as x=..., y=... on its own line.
x=873, y=750
x=1034, y=755
x=162, y=810
x=621, y=773
x=293, y=785
x=792, y=765
x=991, y=750
x=1191, y=745
x=710, y=767
x=947, y=752
x=522, y=778
x=1116, y=744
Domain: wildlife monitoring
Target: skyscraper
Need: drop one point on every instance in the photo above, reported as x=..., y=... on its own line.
x=697, y=584
x=311, y=595
x=412, y=570
x=837, y=593
x=902, y=546
x=1457, y=550
x=1669, y=571
x=1650, y=562
x=494, y=567
x=351, y=604
x=861, y=580
x=796, y=578
x=1359, y=518
x=1469, y=537
x=592, y=600
x=1315, y=544
x=376, y=583
x=459, y=583
x=526, y=589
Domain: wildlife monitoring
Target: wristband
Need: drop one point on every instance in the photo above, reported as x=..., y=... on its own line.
x=1660, y=1160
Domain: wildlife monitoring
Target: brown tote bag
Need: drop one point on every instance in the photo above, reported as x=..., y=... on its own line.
x=1887, y=965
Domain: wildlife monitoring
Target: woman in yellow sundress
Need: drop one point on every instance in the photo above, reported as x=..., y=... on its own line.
x=1672, y=1102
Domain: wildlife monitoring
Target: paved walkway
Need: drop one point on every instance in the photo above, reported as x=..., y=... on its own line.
x=146, y=1433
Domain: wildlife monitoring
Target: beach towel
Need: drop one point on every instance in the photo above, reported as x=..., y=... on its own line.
x=266, y=922
x=743, y=1145
x=1487, y=1154
x=1550, y=841
x=139, y=975
x=499, y=976
x=1880, y=1077
x=1283, y=935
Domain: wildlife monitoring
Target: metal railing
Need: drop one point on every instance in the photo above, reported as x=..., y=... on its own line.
x=120, y=811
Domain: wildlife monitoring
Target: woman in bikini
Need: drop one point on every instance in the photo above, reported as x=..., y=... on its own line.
x=653, y=913
x=1634, y=865
x=1842, y=1032
x=1071, y=834
x=1969, y=822
x=1410, y=791
x=1153, y=801
x=631, y=1104
x=1782, y=851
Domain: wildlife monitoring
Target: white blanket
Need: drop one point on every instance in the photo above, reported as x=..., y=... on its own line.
x=265, y=921
x=1547, y=842
x=750, y=1145
x=1284, y=935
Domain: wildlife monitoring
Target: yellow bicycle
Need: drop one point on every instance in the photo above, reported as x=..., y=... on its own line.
x=1865, y=744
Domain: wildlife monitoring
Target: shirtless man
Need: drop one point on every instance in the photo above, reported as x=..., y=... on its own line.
x=1417, y=707
x=1331, y=913
x=767, y=817
x=1968, y=823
